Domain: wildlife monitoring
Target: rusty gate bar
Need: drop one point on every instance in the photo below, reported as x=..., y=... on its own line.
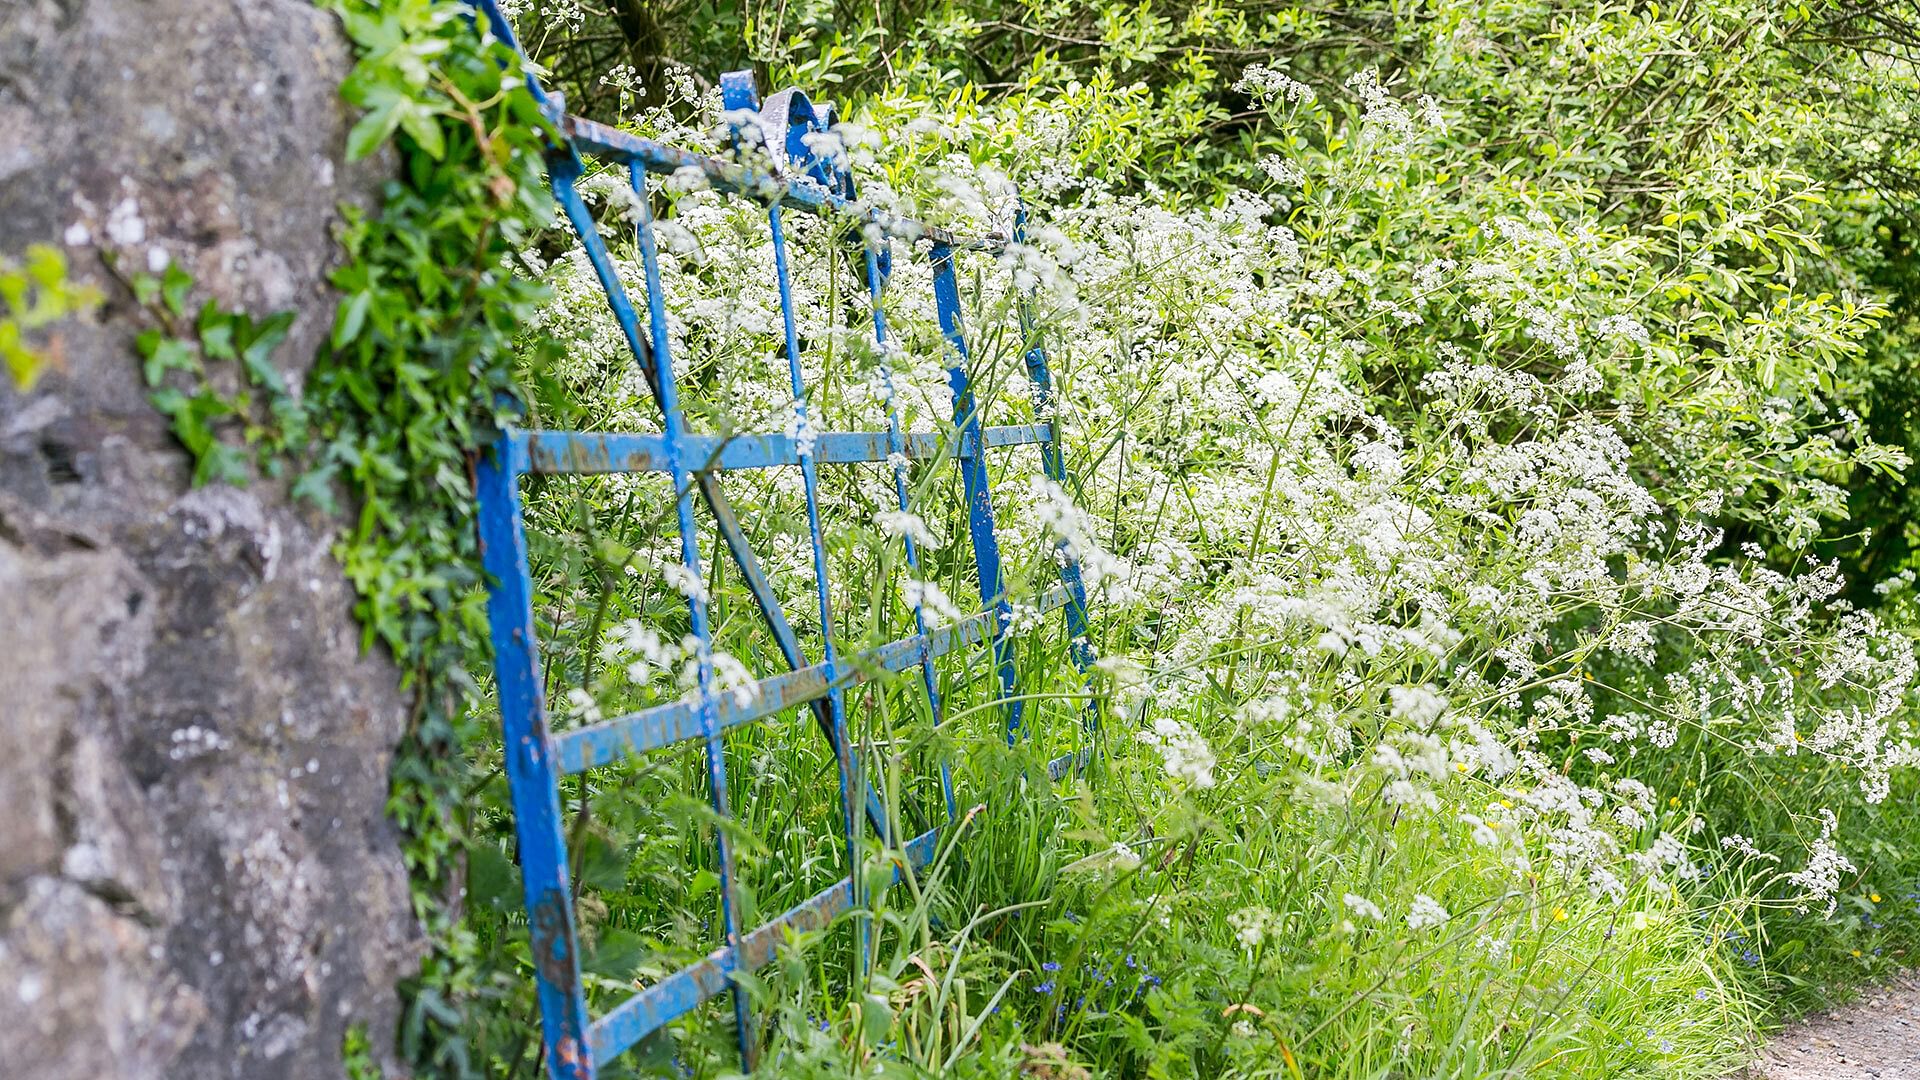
x=537, y=758
x=531, y=779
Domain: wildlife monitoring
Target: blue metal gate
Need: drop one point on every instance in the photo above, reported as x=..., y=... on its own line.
x=537, y=759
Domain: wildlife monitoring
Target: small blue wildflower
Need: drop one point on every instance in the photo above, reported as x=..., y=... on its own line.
x=1044, y=988
x=1701, y=994
x=1050, y=966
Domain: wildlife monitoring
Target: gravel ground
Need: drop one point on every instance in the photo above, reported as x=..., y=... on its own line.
x=1874, y=1038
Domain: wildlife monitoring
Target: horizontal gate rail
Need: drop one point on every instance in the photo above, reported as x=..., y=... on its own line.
x=617, y=739
x=537, y=758
x=688, y=988
x=582, y=453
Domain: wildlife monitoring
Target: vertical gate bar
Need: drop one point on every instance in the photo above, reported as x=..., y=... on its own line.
x=563, y=170
x=533, y=779
x=852, y=776
x=776, y=620
x=897, y=460
x=1053, y=463
x=973, y=475
x=531, y=776
x=696, y=602
x=738, y=92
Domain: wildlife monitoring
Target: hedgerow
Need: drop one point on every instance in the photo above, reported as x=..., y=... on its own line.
x=1467, y=402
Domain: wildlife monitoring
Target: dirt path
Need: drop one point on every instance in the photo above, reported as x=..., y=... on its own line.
x=1874, y=1038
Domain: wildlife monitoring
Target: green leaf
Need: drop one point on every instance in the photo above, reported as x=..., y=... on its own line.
x=655, y=1054
x=876, y=1019
x=173, y=288
x=372, y=130
x=216, y=333
x=421, y=123
x=23, y=363
x=493, y=882
x=257, y=354
x=617, y=954
x=704, y=882
x=164, y=354
x=603, y=864
x=316, y=487
x=47, y=266
x=350, y=318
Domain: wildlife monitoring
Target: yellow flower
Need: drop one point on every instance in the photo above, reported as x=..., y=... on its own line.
x=1559, y=914
x=1675, y=801
x=1875, y=897
x=1856, y=953
x=1461, y=765
x=1506, y=803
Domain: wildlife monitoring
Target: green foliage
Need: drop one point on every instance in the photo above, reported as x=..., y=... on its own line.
x=211, y=406
x=36, y=294
x=416, y=376
x=1780, y=135
x=356, y=1054
x=1727, y=174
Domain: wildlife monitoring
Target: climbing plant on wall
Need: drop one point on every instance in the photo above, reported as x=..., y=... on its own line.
x=416, y=373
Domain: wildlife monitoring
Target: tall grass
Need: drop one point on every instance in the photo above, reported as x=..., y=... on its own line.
x=1438, y=730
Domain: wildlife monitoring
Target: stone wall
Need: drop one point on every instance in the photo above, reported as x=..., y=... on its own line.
x=196, y=875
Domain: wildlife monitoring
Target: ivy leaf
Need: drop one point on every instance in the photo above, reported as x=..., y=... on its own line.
x=222, y=464
x=316, y=487
x=169, y=401
x=163, y=354
x=216, y=333
x=22, y=363
x=257, y=354
x=173, y=288
x=47, y=266
x=146, y=289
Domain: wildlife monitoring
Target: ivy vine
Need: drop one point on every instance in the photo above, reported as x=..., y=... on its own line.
x=181, y=356
x=417, y=374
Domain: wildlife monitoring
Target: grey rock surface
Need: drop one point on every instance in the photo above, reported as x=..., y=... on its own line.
x=197, y=878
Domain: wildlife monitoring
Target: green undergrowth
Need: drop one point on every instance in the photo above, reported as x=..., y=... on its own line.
x=1216, y=894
